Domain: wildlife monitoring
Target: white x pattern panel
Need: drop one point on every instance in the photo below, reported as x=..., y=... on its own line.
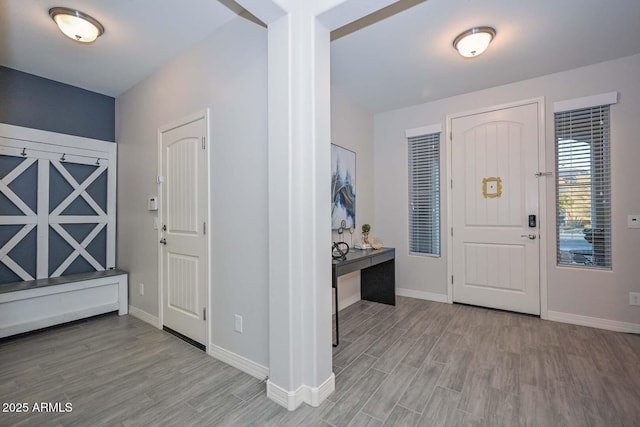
x=8, y=179
x=78, y=190
x=37, y=146
x=29, y=219
x=56, y=218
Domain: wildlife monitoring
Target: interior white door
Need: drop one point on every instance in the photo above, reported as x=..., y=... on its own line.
x=184, y=243
x=496, y=253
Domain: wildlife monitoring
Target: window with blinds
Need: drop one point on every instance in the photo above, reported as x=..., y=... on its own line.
x=424, y=194
x=583, y=187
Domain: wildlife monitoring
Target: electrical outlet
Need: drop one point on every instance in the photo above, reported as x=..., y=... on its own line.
x=141, y=288
x=634, y=298
x=238, y=323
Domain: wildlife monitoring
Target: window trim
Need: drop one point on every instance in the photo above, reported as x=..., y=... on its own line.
x=423, y=131
x=609, y=98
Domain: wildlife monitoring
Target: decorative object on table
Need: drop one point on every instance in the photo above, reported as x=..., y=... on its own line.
x=339, y=250
x=492, y=187
x=343, y=187
x=351, y=231
x=376, y=243
x=364, y=240
x=366, y=228
x=343, y=225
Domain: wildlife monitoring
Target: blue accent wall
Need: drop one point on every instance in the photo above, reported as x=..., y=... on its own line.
x=35, y=102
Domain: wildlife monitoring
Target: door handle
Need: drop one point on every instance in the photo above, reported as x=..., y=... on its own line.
x=163, y=241
x=530, y=236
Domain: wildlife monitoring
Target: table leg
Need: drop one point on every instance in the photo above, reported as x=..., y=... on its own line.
x=335, y=293
x=378, y=283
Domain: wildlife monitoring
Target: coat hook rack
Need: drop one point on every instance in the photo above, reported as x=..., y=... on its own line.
x=24, y=152
x=62, y=159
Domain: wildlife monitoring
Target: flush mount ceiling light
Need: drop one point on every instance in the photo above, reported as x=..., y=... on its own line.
x=76, y=25
x=474, y=41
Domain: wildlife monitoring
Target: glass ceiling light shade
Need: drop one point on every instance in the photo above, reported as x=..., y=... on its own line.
x=474, y=41
x=76, y=25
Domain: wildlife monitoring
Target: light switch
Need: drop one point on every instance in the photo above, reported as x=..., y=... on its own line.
x=633, y=221
x=152, y=203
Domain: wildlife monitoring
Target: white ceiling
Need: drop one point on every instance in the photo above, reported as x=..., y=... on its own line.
x=140, y=36
x=403, y=60
x=408, y=58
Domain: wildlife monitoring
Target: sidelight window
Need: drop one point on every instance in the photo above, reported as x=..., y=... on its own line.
x=583, y=187
x=424, y=194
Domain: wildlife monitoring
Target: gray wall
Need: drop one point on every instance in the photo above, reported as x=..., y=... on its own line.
x=574, y=291
x=35, y=102
x=226, y=72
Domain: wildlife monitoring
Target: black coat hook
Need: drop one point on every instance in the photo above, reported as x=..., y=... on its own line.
x=24, y=152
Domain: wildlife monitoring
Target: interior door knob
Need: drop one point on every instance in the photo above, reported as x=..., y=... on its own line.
x=530, y=236
x=163, y=241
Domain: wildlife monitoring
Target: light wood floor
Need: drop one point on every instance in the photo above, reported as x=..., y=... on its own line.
x=419, y=363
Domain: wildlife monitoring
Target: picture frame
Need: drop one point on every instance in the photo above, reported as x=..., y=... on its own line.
x=492, y=187
x=343, y=188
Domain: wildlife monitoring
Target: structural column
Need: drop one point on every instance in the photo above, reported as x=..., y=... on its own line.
x=299, y=153
x=299, y=211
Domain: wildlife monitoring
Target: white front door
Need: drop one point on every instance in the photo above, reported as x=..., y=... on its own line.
x=184, y=216
x=496, y=256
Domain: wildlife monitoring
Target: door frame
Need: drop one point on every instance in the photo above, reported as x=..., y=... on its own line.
x=542, y=193
x=202, y=114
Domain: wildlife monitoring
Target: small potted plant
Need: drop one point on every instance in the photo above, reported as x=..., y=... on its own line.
x=366, y=228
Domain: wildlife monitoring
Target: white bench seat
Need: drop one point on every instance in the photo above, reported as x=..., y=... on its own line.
x=35, y=304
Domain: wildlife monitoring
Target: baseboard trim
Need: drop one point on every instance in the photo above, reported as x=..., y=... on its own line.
x=240, y=362
x=593, y=322
x=312, y=396
x=288, y=399
x=144, y=316
x=429, y=296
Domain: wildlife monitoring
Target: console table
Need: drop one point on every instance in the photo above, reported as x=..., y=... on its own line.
x=377, y=276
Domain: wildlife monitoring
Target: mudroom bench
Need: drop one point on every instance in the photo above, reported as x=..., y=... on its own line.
x=34, y=304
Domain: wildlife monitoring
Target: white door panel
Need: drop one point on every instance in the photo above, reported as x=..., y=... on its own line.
x=182, y=157
x=182, y=275
x=496, y=266
x=495, y=262
x=184, y=213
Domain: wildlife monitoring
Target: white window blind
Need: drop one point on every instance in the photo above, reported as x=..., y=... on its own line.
x=583, y=187
x=424, y=194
